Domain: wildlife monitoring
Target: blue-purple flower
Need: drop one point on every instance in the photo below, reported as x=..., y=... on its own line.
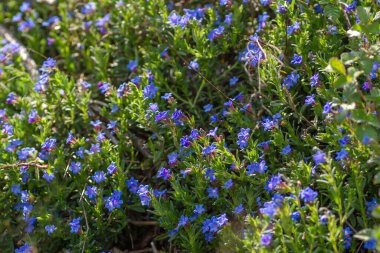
x=114, y=201
x=308, y=195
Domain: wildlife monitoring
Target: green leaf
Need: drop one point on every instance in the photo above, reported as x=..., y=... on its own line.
x=365, y=234
x=376, y=212
x=337, y=66
x=376, y=179
x=363, y=15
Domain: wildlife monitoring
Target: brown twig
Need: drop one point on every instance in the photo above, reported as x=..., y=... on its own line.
x=27, y=61
x=143, y=223
x=33, y=164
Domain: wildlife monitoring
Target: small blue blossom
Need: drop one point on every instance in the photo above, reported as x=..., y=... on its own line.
x=212, y=192
x=327, y=108
x=308, y=195
x=215, y=33
x=341, y=155
x=257, y=167
x=132, y=65
x=132, y=184
x=273, y=182
x=297, y=59
x=164, y=174
x=228, y=184
x=296, y=216
x=207, y=108
x=91, y=192
x=243, y=137
x=48, y=176
x=99, y=177
x=238, y=209
x=75, y=167
x=319, y=157
x=144, y=195
x=290, y=80
x=286, y=150
x=50, y=229
x=199, y=209
x=113, y=202
x=183, y=220
x=150, y=91
x=193, y=65
x=75, y=225
x=266, y=239
x=370, y=244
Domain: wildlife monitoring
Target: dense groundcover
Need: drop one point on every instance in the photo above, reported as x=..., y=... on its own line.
x=189, y=126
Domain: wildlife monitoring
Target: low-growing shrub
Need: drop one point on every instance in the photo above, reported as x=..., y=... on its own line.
x=196, y=126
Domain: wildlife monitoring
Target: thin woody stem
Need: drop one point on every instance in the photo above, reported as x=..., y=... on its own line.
x=32, y=164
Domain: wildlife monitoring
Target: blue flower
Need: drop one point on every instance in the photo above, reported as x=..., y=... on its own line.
x=308, y=195
x=49, y=144
x=233, y=81
x=371, y=205
x=266, y=239
x=314, y=80
x=16, y=189
x=347, y=233
x=177, y=116
x=150, y=91
x=48, y=176
x=183, y=220
x=193, y=65
x=208, y=107
x=199, y=209
x=213, y=192
x=293, y=28
x=256, y=167
x=99, y=177
x=215, y=33
x=112, y=168
x=75, y=225
x=162, y=116
x=75, y=167
x=270, y=209
x=213, y=225
x=351, y=7
x=319, y=157
x=144, y=195
x=228, y=184
x=228, y=19
x=341, y=155
x=209, y=150
x=370, y=244
x=132, y=65
x=88, y=8
x=286, y=150
x=26, y=248
x=327, y=108
x=238, y=209
x=33, y=116
x=310, y=100
x=113, y=201
x=164, y=173
x=13, y=144
x=91, y=192
x=132, y=184
x=296, y=216
x=50, y=229
x=273, y=182
x=174, y=19
x=290, y=80
x=25, y=153
x=243, y=136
